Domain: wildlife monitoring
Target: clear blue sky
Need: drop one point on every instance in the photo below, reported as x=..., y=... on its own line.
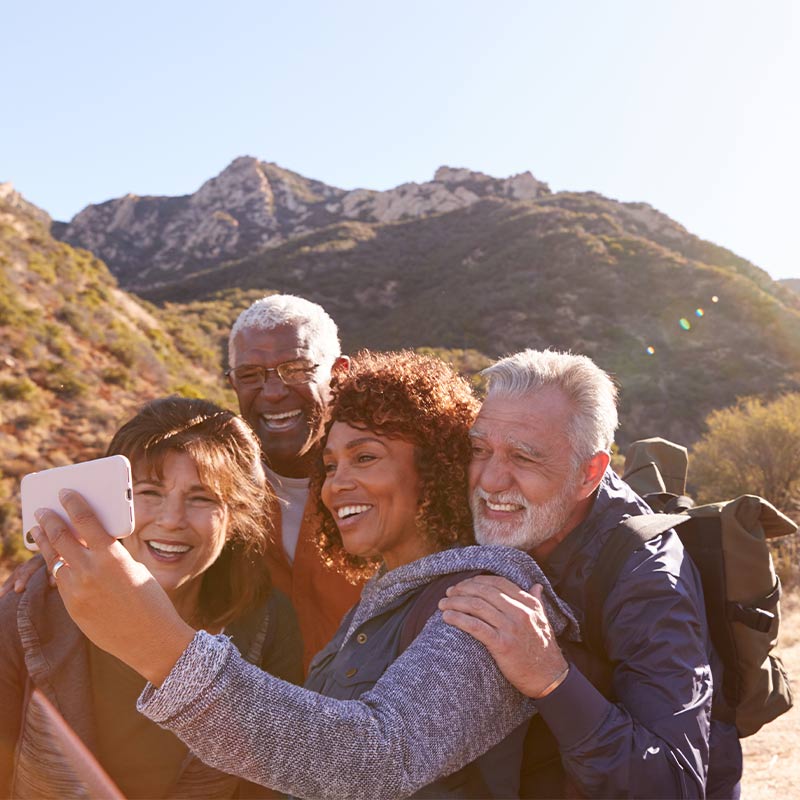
x=691, y=106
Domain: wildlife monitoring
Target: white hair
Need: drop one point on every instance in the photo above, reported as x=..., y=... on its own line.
x=589, y=389
x=310, y=319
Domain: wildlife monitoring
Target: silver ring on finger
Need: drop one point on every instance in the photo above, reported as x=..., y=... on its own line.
x=57, y=566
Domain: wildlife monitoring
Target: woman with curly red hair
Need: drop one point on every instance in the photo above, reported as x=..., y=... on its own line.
x=399, y=702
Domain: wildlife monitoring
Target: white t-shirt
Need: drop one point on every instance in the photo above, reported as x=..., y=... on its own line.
x=292, y=495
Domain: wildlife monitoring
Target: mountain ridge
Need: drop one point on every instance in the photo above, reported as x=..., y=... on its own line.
x=253, y=205
x=460, y=266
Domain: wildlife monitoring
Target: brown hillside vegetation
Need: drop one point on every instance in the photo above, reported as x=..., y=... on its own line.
x=77, y=355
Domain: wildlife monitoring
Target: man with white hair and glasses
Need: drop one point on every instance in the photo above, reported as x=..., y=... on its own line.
x=282, y=351
x=635, y=723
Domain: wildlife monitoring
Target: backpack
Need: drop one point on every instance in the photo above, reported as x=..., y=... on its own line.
x=728, y=543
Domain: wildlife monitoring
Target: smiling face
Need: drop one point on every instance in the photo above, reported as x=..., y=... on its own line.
x=372, y=490
x=181, y=527
x=524, y=489
x=285, y=418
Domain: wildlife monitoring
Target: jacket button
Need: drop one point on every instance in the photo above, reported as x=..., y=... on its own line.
x=361, y=638
x=352, y=671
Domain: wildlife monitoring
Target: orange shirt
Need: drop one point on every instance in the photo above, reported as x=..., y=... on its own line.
x=319, y=594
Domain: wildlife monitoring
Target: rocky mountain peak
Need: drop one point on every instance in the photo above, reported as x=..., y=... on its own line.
x=253, y=205
x=518, y=187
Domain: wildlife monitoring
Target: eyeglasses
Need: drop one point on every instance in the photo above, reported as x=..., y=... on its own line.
x=254, y=375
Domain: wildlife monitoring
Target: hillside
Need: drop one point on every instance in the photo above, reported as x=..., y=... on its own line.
x=566, y=272
x=472, y=262
x=468, y=265
x=253, y=205
x=77, y=354
x=791, y=283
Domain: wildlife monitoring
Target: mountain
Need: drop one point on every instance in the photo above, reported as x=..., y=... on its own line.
x=475, y=264
x=467, y=265
x=251, y=206
x=77, y=354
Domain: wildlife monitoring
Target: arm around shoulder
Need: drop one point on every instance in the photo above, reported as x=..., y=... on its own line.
x=652, y=740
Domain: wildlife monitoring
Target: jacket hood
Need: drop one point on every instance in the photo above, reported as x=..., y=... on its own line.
x=385, y=589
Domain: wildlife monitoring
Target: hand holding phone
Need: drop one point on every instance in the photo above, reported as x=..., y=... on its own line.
x=105, y=483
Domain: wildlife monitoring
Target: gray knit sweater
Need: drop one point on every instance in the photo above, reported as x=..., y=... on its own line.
x=440, y=705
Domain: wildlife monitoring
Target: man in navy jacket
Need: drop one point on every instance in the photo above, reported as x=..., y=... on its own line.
x=638, y=722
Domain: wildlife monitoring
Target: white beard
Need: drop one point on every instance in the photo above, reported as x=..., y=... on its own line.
x=536, y=525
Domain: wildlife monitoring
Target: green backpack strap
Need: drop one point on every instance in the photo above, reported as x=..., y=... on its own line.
x=629, y=535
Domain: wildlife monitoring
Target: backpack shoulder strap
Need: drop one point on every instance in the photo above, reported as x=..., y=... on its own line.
x=628, y=536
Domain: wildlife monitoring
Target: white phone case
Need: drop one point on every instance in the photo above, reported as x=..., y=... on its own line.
x=105, y=483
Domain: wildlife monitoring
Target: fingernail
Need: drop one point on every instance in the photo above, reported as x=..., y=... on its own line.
x=18, y=587
x=38, y=514
x=64, y=494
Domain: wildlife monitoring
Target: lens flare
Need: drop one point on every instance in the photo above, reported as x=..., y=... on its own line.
x=684, y=323
x=650, y=350
x=698, y=312
x=715, y=299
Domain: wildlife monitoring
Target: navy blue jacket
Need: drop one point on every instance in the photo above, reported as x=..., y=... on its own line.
x=652, y=737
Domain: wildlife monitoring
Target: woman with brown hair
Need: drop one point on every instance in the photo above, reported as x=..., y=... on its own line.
x=399, y=702
x=200, y=529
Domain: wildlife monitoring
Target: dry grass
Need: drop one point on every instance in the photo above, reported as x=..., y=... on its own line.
x=771, y=768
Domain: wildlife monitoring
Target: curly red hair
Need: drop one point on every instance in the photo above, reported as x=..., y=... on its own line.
x=423, y=401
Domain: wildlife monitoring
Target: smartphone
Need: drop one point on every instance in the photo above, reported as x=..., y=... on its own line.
x=105, y=483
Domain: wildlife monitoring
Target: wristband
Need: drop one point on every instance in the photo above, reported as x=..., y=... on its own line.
x=554, y=685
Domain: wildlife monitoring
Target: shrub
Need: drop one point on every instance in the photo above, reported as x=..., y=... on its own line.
x=750, y=448
x=19, y=389
x=63, y=381
x=187, y=390
x=117, y=376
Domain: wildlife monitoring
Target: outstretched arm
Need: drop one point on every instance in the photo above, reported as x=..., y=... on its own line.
x=435, y=709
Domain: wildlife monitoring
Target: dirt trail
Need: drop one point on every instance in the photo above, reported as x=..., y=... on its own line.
x=771, y=766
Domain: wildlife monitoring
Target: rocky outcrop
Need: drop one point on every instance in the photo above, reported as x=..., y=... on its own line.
x=17, y=212
x=254, y=205
x=449, y=190
x=247, y=207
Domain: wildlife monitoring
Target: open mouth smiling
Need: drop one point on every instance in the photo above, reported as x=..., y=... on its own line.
x=167, y=551
x=347, y=512
x=504, y=507
x=282, y=420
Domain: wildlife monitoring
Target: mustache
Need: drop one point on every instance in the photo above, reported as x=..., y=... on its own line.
x=510, y=497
